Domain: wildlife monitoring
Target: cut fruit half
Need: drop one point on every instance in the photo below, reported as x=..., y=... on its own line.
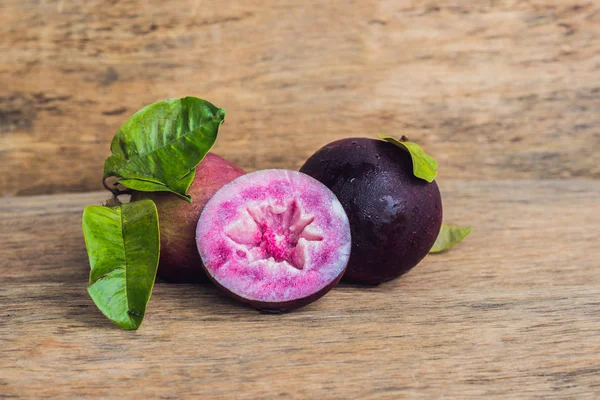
x=275, y=239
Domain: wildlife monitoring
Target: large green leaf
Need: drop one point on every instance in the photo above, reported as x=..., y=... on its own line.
x=123, y=248
x=162, y=143
x=449, y=236
x=424, y=166
x=145, y=186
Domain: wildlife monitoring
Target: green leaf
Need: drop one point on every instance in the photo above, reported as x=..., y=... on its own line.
x=424, y=166
x=123, y=247
x=162, y=143
x=146, y=186
x=449, y=236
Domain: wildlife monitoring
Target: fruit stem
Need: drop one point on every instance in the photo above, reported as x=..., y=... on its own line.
x=115, y=188
x=112, y=202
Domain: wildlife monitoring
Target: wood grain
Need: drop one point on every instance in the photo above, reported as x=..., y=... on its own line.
x=494, y=89
x=513, y=312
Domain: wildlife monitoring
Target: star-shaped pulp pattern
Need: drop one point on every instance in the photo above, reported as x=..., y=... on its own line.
x=278, y=232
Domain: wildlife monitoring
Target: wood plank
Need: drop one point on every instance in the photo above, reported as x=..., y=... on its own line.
x=41, y=238
x=392, y=342
x=496, y=90
x=512, y=312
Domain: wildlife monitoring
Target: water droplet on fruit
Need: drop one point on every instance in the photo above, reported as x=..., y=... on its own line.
x=377, y=156
x=352, y=180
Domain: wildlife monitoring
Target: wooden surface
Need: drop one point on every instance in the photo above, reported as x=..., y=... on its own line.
x=501, y=89
x=501, y=92
x=513, y=312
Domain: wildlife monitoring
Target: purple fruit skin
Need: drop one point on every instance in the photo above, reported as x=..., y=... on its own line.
x=283, y=306
x=394, y=216
x=179, y=259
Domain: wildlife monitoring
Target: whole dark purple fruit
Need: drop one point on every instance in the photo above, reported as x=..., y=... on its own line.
x=394, y=216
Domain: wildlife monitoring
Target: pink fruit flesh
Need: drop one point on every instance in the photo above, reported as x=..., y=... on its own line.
x=275, y=239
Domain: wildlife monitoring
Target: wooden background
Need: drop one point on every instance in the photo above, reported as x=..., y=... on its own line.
x=504, y=93
x=493, y=89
